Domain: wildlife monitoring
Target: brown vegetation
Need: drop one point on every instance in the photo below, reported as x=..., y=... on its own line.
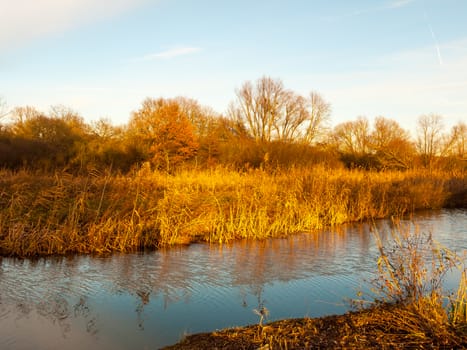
x=61, y=213
x=383, y=327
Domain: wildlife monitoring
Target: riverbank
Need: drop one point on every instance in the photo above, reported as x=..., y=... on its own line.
x=382, y=327
x=50, y=214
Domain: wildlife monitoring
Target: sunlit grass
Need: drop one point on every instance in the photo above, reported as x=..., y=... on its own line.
x=44, y=214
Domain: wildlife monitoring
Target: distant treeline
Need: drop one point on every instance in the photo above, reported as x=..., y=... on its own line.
x=267, y=126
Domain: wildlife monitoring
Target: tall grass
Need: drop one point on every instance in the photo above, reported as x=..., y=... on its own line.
x=58, y=214
x=412, y=305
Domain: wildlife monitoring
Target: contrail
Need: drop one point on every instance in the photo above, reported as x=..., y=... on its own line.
x=435, y=40
x=436, y=44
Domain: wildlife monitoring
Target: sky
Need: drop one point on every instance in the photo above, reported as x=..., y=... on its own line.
x=394, y=58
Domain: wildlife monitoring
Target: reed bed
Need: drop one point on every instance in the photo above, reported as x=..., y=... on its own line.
x=43, y=214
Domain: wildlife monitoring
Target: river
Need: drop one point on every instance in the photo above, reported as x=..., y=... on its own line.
x=148, y=300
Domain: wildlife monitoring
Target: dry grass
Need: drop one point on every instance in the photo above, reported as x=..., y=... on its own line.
x=44, y=214
x=383, y=327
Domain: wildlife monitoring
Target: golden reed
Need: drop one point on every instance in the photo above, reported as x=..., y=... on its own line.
x=42, y=214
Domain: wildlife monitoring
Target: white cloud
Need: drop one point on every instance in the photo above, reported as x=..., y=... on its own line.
x=171, y=53
x=25, y=20
x=394, y=4
x=400, y=3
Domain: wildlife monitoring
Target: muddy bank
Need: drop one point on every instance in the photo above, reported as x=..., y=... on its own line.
x=382, y=327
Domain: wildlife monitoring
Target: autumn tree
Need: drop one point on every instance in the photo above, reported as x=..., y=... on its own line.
x=107, y=148
x=385, y=145
x=164, y=131
x=199, y=116
x=59, y=136
x=19, y=117
x=391, y=144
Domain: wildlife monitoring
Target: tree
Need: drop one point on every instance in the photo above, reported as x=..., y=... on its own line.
x=429, y=138
x=319, y=114
x=164, y=131
x=62, y=132
x=258, y=106
x=353, y=137
x=391, y=144
x=20, y=115
x=201, y=117
x=290, y=115
x=271, y=112
x=458, y=144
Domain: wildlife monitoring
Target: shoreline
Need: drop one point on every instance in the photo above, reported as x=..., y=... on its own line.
x=385, y=326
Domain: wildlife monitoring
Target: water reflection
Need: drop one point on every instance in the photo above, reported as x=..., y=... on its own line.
x=148, y=300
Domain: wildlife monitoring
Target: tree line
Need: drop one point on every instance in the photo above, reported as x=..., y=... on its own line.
x=266, y=125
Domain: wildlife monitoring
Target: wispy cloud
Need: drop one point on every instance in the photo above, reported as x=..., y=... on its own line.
x=399, y=3
x=393, y=4
x=167, y=54
x=24, y=20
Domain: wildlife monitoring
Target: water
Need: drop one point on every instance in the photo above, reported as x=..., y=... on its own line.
x=145, y=301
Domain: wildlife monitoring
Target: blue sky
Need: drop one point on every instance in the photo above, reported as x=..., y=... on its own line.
x=395, y=58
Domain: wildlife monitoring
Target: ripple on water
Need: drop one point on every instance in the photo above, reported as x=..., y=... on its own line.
x=8, y=342
x=4, y=312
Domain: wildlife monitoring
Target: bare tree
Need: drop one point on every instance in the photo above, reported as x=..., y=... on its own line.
x=319, y=114
x=104, y=129
x=269, y=111
x=291, y=117
x=353, y=137
x=430, y=138
x=458, y=141
x=258, y=106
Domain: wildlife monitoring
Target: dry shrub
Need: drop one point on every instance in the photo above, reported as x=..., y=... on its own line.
x=411, y=273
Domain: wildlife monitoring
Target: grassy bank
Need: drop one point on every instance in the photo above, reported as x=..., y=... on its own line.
x=384, y=327
x=44, y=214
